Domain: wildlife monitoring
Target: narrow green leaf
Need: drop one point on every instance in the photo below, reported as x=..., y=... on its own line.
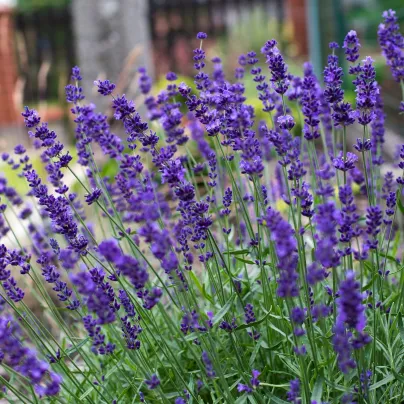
x=398, y=376
x=369, y=285
x=317, y=389
x=396, y=243
x=389, y=257
x=382, y=382
x=237, y=252
x=254, y=354
x=223, y=311
x=400, y=325
x=277, y=400
x=201, y=288
x=400, y=205
x=244, y=260
x=76, y=348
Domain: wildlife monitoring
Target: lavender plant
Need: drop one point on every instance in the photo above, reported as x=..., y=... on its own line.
x=226, y=260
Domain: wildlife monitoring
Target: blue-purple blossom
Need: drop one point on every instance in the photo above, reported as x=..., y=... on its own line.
x=349, y=304
x=277, y=66
x=366, y=91
x=208, y=365
x=326, y=220
x=392, y=43
x=153, y=382
x=285, y=244
x=25, y=361
x=105, y=87
x=201, y=35
x=351, y=46
x=93, y=196
x=294, y=391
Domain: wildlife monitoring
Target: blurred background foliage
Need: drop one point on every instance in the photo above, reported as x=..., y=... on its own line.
x=31, y=5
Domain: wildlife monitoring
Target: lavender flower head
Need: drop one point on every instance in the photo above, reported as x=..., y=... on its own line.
x=392, y=43
x=350, y=307
x=351, y=46
x=277, y=66
x=367, y=91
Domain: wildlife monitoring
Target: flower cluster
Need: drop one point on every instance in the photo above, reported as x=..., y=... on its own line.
x=213, y=251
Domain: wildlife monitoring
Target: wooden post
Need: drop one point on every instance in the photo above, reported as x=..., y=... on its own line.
x=8, y=68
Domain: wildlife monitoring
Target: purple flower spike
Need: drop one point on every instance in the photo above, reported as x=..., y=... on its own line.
x=249, y=314
x=392, y=43
x=351, y=46
x=294, y=391
x=19, y=149
x=208, y=365
x=254, y=380
x=153, y=382
x=367, y=91
x=241, y=388
x=277, y=66
x=76, y=74
x=201, y=36
x=350, y=308
x=31, y=118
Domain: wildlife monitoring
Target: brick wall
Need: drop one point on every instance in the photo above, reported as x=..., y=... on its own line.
x=8, y=68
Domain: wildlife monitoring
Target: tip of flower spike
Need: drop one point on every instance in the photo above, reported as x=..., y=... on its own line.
x=104, y=87
x=171, y=76
x=19, y=149
x=201, y=35
x=333, y=45
x=76, y=73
